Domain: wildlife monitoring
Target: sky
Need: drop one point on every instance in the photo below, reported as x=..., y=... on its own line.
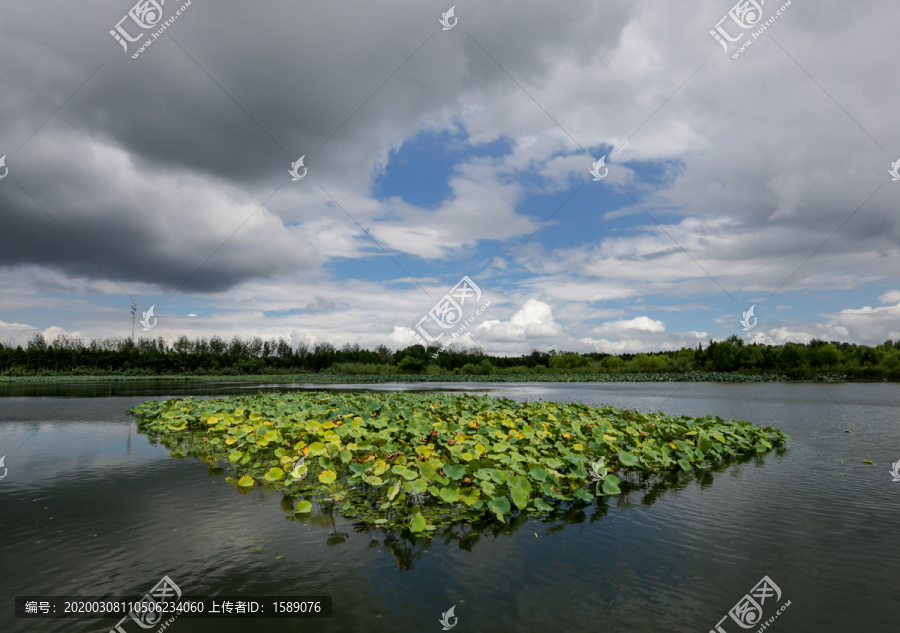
x=439, y=148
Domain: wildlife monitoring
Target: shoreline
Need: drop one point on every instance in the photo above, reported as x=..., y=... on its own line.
x=325, y=378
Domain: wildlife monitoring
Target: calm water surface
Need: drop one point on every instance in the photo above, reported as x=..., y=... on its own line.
x=89, y=506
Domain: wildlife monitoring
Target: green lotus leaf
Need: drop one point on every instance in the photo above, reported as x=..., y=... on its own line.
x=372, y=480
x=274, y=474
x=450, y=494
x=520, y=498
x=470, y=496
x=584, y=495
x=611, y=485
x=542, y=505
x=499, y=506
x=418, y=523
x=539, y=474
x=418, y=486
x=454, y=471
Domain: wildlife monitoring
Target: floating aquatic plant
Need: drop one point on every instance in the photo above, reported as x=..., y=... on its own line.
x=423, y=460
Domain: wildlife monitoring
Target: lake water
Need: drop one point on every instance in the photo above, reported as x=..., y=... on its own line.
x=90, y=507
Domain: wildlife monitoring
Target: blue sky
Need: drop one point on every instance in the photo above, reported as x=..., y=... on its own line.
x=735, y=179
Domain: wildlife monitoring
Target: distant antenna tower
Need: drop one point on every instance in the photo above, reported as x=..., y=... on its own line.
x=133, y=310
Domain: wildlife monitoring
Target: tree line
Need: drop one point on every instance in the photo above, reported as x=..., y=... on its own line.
x=216, y=356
